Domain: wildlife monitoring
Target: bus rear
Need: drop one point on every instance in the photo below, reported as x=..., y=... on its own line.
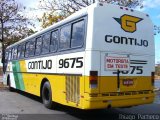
x=119, y=61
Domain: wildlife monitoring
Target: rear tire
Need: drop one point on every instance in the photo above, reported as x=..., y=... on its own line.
x=47, y=95
x=11, y=89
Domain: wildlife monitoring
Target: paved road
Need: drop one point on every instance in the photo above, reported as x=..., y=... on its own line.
x=15, y=105
x=1, y=78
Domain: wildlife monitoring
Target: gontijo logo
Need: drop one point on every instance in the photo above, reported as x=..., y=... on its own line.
x=128, y=22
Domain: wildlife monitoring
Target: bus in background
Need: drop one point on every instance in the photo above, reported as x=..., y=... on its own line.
x=101, y=56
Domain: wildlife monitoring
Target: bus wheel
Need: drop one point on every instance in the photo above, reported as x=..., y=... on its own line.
x=9, y=84
x=47, y=95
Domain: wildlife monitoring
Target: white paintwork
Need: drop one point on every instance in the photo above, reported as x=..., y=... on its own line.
x=101, y=22
x=55, y=64
x=52, y=70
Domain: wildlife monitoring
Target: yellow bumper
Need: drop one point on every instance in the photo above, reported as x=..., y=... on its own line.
x=117, y=101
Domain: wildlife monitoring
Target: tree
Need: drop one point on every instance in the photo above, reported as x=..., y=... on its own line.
x=13, y=23
x=156, y=29
x=15, y=38
x=157, y=69
x=49, y=19
x=57, y=10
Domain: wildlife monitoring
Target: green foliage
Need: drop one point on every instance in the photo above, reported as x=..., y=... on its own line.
x=157, y=70
x=15, y=38
x=49, y=19
x=15, y=24
x=156, y=29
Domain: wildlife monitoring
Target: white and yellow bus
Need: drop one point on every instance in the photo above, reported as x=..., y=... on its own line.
x=101, y=56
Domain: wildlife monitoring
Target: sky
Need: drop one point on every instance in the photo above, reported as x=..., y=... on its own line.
x=151, y=7
x=32, y=12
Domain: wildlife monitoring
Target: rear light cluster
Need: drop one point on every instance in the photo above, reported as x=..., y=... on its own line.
x=152, y=78
x=93, y=79
x=123, y=8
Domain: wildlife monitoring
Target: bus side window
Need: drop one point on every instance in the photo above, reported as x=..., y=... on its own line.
x=19, y=51
x=65, y=34
x=22, y=51
x=27, y=49
x=10, y=54
x=46, y=42
x=6, y=55
x=77, y=34
x=14, y=53
x=38, y=46
x=32, y=47
x=54, y=40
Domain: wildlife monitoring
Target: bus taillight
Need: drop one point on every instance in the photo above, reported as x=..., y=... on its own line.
x=93, y=79
x=152, y=78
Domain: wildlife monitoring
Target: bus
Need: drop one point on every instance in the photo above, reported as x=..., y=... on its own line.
x=99, y=57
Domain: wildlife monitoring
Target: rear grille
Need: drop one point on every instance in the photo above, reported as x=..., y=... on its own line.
x=126, y=93
x=73, y=88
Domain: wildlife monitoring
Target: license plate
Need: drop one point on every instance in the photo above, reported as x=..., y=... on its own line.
x=128, y=82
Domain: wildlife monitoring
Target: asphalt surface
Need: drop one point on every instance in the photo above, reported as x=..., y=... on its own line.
x=22, y=106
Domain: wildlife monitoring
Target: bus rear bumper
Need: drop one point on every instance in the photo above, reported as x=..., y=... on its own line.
x=108, y=102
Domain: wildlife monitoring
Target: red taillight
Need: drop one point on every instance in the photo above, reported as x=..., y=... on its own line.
x=93, y=79
x=152, y=78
